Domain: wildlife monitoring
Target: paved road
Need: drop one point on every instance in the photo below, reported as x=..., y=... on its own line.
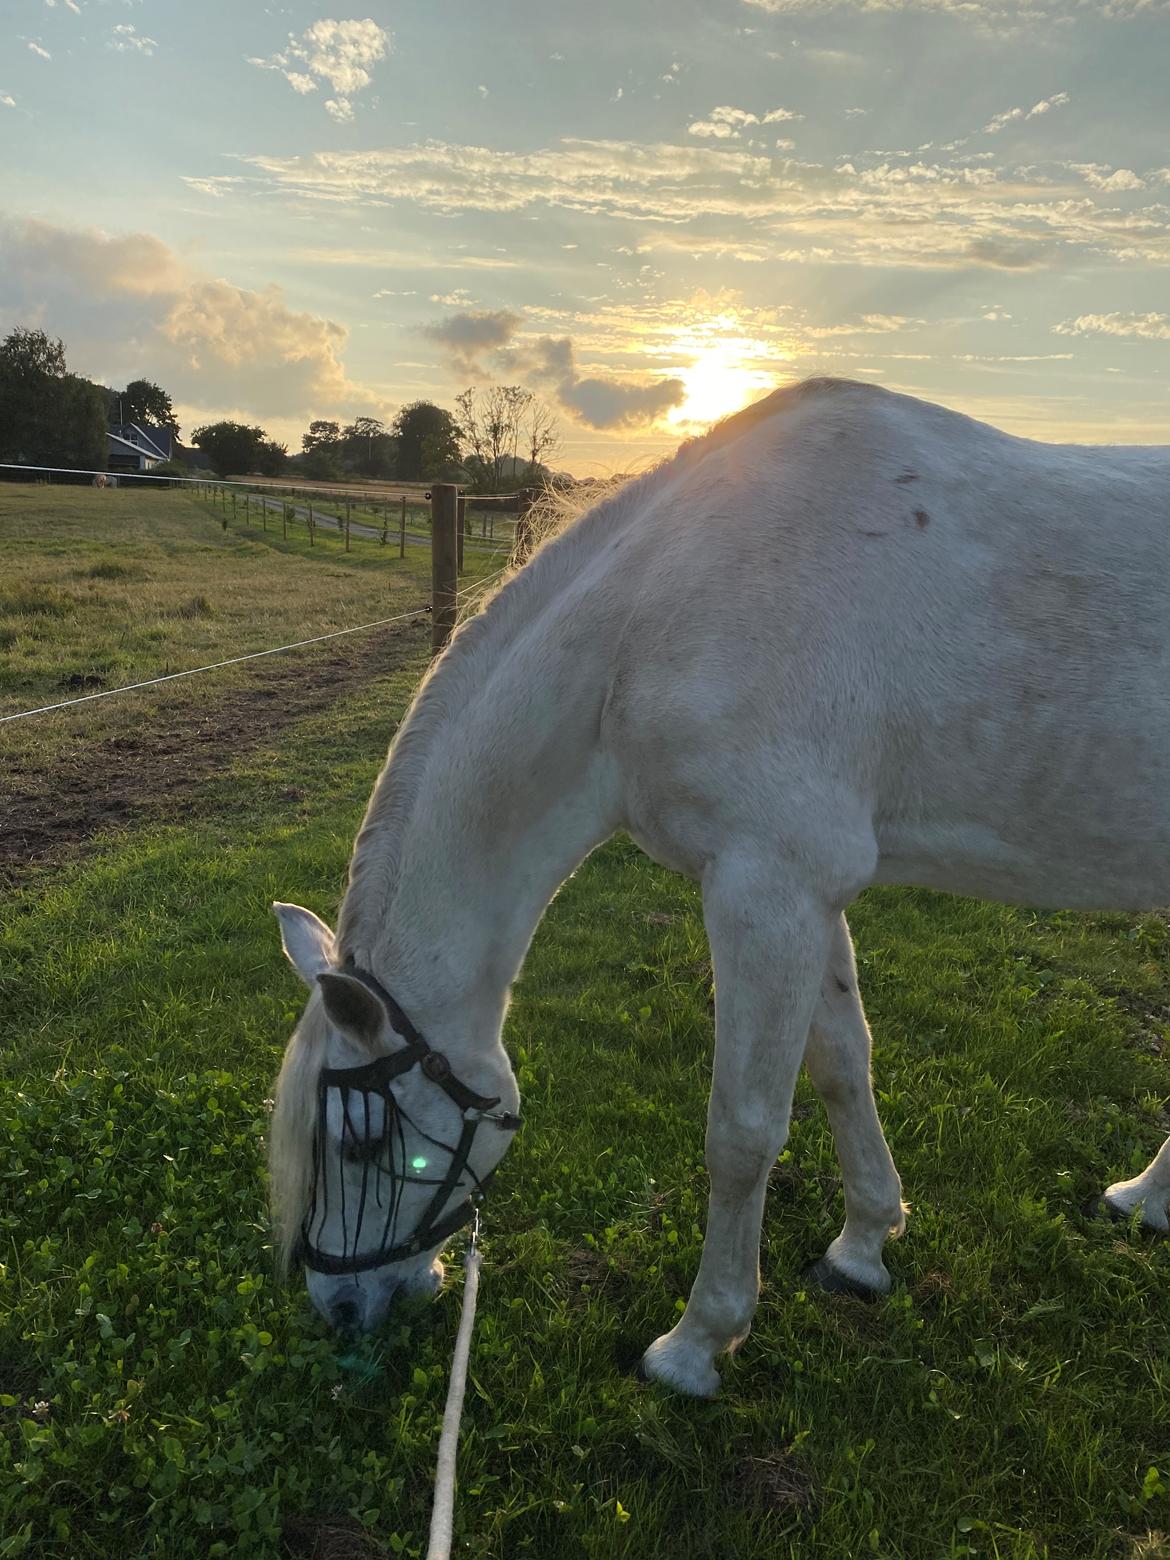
x=359, y=528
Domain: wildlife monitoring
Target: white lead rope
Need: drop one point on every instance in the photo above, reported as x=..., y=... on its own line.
x=442, y=1518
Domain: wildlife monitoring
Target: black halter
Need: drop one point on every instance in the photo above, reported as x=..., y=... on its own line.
x=376, y=1152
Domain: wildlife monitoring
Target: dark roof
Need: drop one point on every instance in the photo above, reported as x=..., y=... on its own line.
x=157, y=443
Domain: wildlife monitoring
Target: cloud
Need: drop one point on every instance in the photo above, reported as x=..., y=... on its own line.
x=891, y=209
x=867, y=325
x=36, y=48
x=128, y=40
x=602, y=403
x=480, y=342
x=1151, y=327
x=467, y=336
x=7, y=101
x=998, y=13
x=1010, y=116
x=726, y=124
x=126, y=304
x=1102, y=177
x=341, y=55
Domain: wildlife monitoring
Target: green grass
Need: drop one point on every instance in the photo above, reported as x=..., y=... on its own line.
x=99, y=589
x=160, y=1396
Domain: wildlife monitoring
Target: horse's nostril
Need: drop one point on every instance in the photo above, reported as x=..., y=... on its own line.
x=345, y=1314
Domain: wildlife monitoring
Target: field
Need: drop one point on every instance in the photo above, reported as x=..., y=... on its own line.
x=161, y=1396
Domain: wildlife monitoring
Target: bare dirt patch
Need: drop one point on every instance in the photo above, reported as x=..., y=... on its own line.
x=779, y=1483
x=308, y=1538
x=154, y=764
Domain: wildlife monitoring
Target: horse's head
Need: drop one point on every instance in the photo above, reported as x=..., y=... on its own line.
x=379, y=1147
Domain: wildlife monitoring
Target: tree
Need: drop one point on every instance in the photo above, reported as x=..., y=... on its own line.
x=270, y=458
x=542, y=438
x=440, y=459
x=27, y=354
x=321, y=465
x=322, y=436
x=48, y=416
x=231, y=446
x=145, y=403
x=499, y=421
x=367, y=447
x=424, y=422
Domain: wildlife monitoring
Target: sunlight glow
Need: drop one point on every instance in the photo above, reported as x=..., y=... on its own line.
x=725, y=372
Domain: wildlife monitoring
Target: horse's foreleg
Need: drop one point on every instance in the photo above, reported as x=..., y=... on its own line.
x=1151, y=1190
x=769, y=941
x=837, y=1058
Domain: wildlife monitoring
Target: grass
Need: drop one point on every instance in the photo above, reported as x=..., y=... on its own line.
x=159, y=1396
x=105, y=588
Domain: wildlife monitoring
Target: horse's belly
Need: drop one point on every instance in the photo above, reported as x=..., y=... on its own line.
x=1089, y=871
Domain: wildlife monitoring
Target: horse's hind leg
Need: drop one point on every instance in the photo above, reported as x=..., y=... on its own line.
x=837, y=1058
x=1151, y=1190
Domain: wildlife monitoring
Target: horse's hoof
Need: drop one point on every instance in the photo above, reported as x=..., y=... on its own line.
x=666, y=1365
x=825, y=1276
x=1102, y=1208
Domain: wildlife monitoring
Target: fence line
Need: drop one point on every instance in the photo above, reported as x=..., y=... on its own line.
x=476, y=500
x=215, y=666
x=447, y=596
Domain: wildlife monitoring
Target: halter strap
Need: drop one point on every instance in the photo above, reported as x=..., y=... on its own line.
x=375, y=1077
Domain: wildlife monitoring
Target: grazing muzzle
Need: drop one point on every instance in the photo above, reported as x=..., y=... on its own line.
x=375, y=1129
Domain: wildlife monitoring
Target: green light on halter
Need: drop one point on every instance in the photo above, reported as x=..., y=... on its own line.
x=418, y=1163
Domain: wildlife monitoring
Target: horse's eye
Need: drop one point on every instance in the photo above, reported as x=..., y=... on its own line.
x=359, y=1153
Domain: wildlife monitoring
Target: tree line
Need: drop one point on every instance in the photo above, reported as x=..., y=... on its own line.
x=501, y=436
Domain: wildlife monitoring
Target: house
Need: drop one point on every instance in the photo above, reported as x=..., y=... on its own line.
x=131, y=447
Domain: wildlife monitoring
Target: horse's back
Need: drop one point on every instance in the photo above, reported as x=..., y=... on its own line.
x=967, y=633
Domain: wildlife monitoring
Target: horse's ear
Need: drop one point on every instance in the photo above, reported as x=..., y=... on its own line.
x=308, y=942
x=353, y=1008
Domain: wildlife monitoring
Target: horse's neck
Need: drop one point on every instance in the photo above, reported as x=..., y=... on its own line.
x=512, y=792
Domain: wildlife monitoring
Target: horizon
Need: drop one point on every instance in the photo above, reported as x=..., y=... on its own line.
x=650, y=217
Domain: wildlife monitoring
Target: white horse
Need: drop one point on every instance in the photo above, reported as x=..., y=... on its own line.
x=847, y=638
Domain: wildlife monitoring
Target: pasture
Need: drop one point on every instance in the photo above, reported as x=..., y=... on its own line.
x=160, y=1396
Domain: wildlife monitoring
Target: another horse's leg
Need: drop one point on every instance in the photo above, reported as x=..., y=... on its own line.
x=837, y=1058
x=1151, y=1189
x=770, y=939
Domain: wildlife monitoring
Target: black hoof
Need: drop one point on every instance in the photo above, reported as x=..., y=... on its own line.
x=1102, y=1208
x=826, y=1277
x=627, y=1355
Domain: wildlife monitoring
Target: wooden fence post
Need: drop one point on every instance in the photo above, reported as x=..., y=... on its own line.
x=402, y=533
x=444, y=562
x=460, y=524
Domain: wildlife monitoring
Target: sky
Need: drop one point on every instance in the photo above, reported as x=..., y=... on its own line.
x=648, y=212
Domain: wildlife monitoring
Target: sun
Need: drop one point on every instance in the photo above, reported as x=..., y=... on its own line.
x=723, y=376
